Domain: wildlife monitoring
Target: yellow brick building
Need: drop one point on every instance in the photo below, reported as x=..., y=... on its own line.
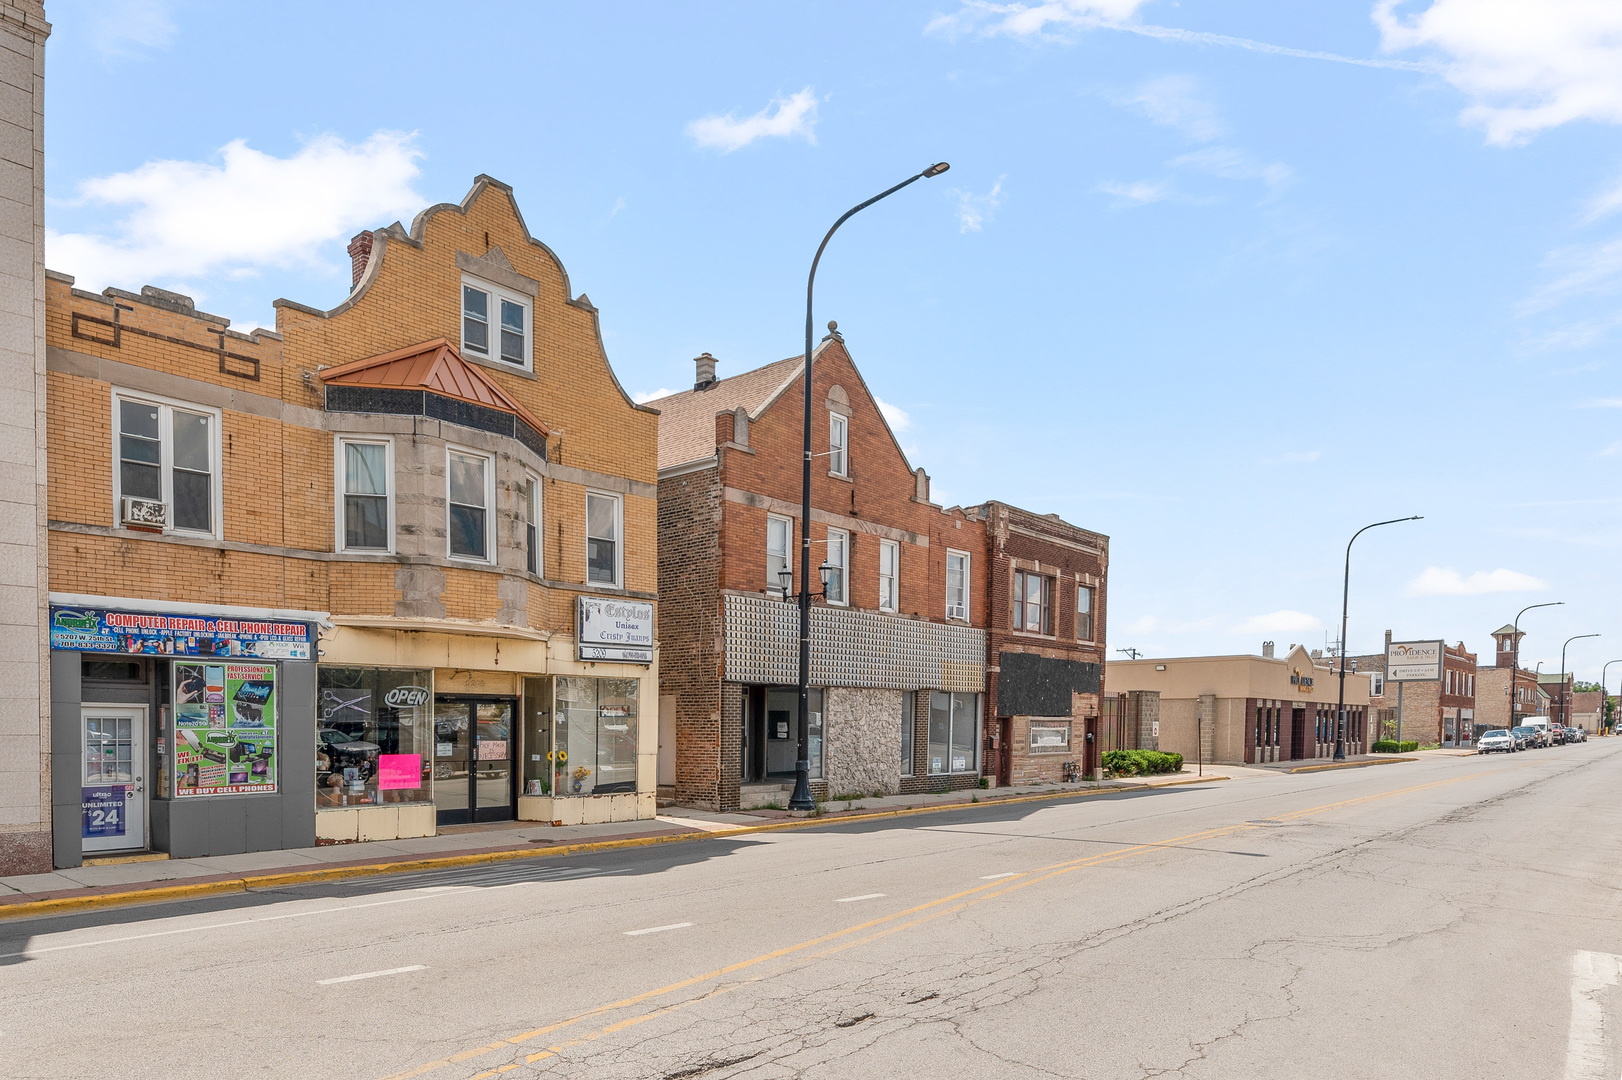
x=389, y=567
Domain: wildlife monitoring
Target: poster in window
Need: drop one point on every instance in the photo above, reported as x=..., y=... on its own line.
x=225, y=729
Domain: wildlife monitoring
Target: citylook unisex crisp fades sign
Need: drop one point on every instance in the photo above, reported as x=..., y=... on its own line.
x=1413, y=661
x=618, y=630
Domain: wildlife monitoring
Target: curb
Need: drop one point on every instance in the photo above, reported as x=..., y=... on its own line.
x=61, y=905
x=1350, y=765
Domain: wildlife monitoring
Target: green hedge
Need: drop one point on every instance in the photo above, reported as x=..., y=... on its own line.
x=1392, y=746
x=1141, y=762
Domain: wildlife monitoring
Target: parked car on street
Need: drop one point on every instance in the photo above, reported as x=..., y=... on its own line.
x=1559, y=734
x=1496, y=741
x=1527, y=736
x=1540, y=724
x=1576, y=734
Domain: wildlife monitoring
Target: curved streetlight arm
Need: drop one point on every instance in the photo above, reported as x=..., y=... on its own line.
x=801, y=798
x=1345, y=597
x=1604, y=698
x=1565, y=698
x=1515, y=651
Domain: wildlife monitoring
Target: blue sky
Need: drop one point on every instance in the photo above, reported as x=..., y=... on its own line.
x=1225, y=281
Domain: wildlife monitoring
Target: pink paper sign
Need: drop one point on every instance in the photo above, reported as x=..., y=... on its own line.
x=399, y=771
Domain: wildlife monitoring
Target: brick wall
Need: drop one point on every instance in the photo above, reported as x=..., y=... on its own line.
x=690, y=630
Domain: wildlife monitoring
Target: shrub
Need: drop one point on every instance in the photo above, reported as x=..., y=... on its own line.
x=1392, y=746
x=1141, y=762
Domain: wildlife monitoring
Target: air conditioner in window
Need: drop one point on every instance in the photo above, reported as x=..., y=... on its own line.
x=144, y=513
x=957, y=611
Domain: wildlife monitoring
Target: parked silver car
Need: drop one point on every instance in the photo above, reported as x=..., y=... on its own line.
x=1496, y=741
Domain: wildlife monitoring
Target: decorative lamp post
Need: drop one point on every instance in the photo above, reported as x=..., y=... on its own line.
x=801, y=799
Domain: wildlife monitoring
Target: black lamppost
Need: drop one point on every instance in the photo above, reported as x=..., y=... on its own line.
x=1565, y=698
x=801, y=799
x=1604, y=699
x=1515, y=652
x=1345, y=595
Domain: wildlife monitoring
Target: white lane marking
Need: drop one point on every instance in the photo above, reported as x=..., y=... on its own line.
x=371, y=974
x=212, y=926
x=1591, y=973
x=864, y=896
x=657, y=929
x=998, y=877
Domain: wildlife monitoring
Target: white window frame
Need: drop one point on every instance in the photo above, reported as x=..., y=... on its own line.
x=1092, y=611
x=489, y=503
x=166, y=435
x=619, y=540
x=774, y=584
x=838, y=449
x=338, y=492
x=967, y=563
x=496, y=295
x=843, y=565
x=531, y=511
x=893, y=578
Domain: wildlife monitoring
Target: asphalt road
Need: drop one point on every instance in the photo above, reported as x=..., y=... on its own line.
x=1448, y=918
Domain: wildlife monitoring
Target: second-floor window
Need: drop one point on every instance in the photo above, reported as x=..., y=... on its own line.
x=364, y=467
x=169, y=454
x=532, y=524
x=1032, y=595
x=468, y=481
x=495, y=324
x=1084, y=612
x=889, y=575
x=779, y=535
x=838, y=566
x=838, y=445
x=602, y=539
x=957, y=585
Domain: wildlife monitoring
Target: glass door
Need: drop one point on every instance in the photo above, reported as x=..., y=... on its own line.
x=474, y=751
x=113, y=797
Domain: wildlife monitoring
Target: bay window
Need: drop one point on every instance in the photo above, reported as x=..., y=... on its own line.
x=469, y=479
x=531, y=500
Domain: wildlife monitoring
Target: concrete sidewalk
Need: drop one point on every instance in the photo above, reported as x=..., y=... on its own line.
x=138, y=880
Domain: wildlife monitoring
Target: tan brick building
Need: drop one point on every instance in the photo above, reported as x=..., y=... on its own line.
x=898, y=646
x=389, y=566
x=1433, y=713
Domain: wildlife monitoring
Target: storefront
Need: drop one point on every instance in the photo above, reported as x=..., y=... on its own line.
x=173, y=727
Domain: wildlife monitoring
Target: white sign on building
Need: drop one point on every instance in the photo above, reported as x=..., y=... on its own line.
x=615, y=630
x=1413, y=661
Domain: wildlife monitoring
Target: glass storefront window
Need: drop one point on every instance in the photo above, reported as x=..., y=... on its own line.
x=783, y=733
x=538, y=765
x=596, y=736
x=953, y=719
x=374, y=736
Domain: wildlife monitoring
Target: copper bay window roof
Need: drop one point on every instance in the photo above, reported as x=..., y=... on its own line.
x=431, y=379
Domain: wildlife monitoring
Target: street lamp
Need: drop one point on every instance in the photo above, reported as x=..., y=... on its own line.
x=1345, y=595
x=1515, y=652
x=1565, y=698
x=1604, y=699
x=801, y=799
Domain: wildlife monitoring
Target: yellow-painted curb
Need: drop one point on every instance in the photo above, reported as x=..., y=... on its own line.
x=163, y=893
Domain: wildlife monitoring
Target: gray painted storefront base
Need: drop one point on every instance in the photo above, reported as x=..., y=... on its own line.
x=187, y=828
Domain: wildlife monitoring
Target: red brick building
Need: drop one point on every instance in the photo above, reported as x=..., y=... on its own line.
x=1046, y=644
x=898, y=652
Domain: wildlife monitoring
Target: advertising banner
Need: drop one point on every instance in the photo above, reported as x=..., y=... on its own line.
x=619, y=630
x=1413, y=661
x=98, y=630
x=225, y=729
x=103, y=810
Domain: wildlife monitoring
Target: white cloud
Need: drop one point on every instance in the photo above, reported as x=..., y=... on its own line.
x=1136, y=193
x=1231, y=164
x=651, y=395
x=1604, y=403
x=249, y=211
x=127, y=28
x=985, y=19
x=1525, y=65
x=1174, y=101
x=1280, y=622
x=783, y=118
x=896, y=417
x=1612, y=450
x=1604, y=204
x=973, y=210
x=1445, y=581
x=1583, y=270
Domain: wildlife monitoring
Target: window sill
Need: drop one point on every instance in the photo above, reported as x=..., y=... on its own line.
x=469, y=560
x=526, y=372
x=1035, y=636
x=846, y=477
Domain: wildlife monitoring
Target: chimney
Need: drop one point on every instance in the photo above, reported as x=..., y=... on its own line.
x=705, y=366
x=1267, y=650
x=360, y=251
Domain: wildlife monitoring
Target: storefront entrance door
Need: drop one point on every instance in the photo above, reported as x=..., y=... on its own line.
x=113, y=806
x=475, y=746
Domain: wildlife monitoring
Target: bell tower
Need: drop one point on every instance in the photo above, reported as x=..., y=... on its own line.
x=1507, y=638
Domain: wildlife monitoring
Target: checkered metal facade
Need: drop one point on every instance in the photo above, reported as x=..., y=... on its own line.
x=850, y=648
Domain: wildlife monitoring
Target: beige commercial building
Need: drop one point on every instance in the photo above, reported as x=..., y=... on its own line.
x=1247, y=709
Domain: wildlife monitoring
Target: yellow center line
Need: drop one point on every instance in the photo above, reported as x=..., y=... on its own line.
x=925, y=912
